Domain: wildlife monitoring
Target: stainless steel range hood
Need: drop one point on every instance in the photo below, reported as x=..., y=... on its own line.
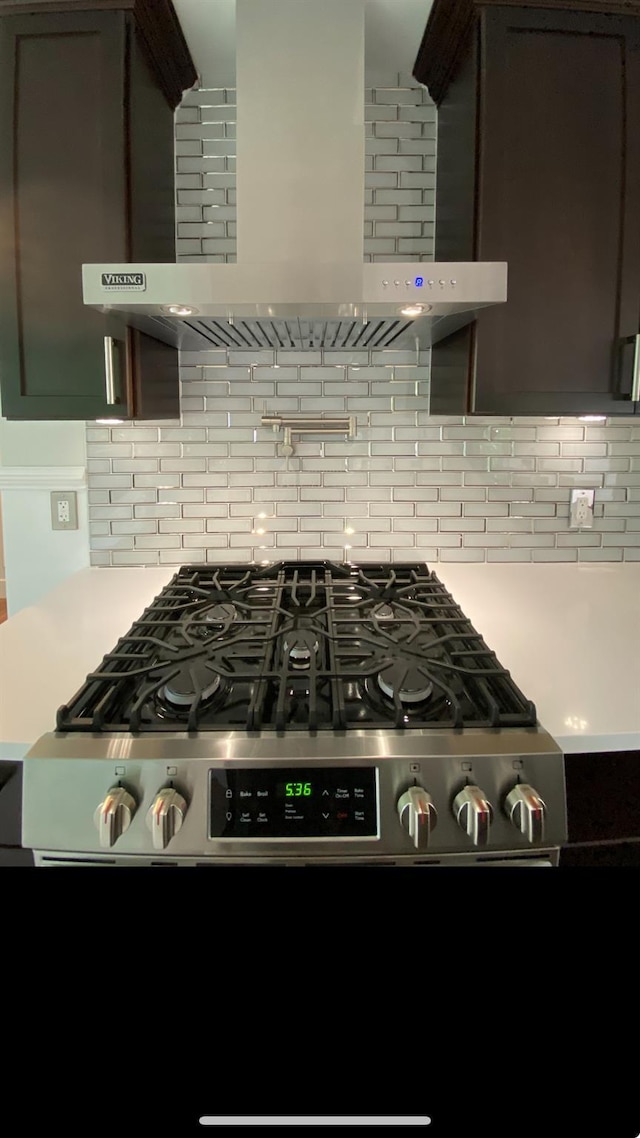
x=300, y=280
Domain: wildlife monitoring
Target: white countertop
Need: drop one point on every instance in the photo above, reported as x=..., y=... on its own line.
x=569, y=635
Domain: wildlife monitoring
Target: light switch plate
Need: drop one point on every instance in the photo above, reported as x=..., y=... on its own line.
x=581, y=509
x=64, y=509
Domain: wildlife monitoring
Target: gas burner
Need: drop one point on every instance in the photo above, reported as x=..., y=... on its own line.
x=410, y=686
x=221, y=614
x=383, y=612
x=194, y=681
x=215, y=620
x=395, y=620
x=301, y=644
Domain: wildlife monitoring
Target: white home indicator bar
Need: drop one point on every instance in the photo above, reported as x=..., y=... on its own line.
x=316, y=1120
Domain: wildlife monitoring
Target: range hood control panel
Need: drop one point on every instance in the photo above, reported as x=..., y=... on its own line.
x=420, y=282
x=475, y=283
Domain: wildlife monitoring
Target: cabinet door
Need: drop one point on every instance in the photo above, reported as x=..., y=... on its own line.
x=63, y=195
x=559, y=200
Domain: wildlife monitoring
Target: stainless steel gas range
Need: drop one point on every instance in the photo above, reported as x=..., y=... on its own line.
x=297, y=713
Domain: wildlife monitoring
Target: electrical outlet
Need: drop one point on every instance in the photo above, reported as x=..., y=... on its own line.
x=64, y=510
x=581, y=510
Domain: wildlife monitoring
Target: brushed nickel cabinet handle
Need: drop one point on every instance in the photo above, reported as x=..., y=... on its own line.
x=109, y=371
x=635, y=385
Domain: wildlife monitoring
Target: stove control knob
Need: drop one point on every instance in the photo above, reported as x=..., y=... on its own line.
x=165, y=816
x=418, y=815
x=525, y=808
x=473, y=813
x=114, y=814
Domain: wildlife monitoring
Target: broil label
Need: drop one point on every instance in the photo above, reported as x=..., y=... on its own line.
x=124, y=282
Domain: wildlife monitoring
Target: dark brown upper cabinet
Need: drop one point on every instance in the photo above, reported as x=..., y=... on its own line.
x=539, y=166
x=87, y=95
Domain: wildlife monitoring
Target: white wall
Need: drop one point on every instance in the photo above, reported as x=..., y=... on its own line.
x=3, y=585
x=42, y=444
x=36, y=458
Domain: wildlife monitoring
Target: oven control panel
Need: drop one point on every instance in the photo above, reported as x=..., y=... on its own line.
x=294, y=802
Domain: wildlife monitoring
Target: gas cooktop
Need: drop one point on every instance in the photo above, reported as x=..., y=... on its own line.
x=312, y=646
x=297, y=712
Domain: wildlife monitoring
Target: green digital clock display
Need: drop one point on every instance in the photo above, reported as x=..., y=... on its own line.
x=297, y=790
x=319, y=803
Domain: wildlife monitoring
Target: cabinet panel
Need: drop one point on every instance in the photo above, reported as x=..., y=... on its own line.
x=150, y=162
x=539, y=165
x=86, y=175
x=63, y=185
x=603, y=796
x=154, y=371
x=557, y=178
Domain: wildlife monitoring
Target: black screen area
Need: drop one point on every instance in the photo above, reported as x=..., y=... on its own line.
x=294, y=802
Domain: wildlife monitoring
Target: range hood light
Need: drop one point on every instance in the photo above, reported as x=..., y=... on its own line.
x=592, y=418
x=180, y=310
x=415, y=309
x=110, y=422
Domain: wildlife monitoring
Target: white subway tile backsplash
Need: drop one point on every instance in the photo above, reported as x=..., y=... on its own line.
x=515, y=494
x=120, y=496
x=484, y=509
x=200, y=511
x=415, y=525
x=211, y=486
x=462, y=494
x=292, y=540
x=435, y=478
x=234, y=494
x=172, y=494
x=588, y=480
x=183, y=465
x=604, y=554
x=509, y=524
x=114, y=542
x=464, y=525
x=228, y=525
x=140, y=557
x=204, y=540
x=508, y=555
x=158, y=480
x=391, y=478
x=302, y=509
x=393, y=540
x=536, y=479
x=157, y=541
x=181, y=525
x=436, y=509
x=465, y=463
x=415, y=493
x=160, y=510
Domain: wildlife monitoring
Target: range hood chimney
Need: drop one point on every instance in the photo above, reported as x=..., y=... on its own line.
x=299, y=280
x=300, y=133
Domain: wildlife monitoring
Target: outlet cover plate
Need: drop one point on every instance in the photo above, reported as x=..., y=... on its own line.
x=581, y=509
x=64, y=509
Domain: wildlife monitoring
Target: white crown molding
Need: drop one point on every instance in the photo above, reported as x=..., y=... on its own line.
x=43, y=477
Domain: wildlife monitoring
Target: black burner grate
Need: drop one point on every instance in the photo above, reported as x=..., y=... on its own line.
x=296, y=645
